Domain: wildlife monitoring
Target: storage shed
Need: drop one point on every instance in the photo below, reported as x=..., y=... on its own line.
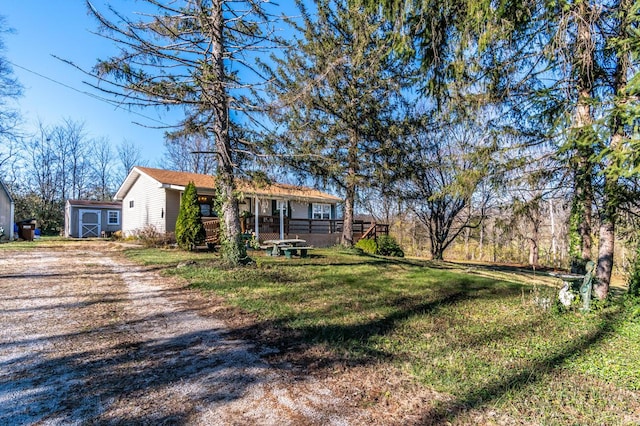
x=89, y=219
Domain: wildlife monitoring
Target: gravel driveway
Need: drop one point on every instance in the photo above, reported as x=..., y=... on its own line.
x=88, y=337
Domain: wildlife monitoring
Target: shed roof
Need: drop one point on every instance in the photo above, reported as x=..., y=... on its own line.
x=96, y=204
x=179, y=180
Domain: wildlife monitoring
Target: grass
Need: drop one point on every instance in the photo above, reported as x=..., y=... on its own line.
x=471, y=333
x=460, y=331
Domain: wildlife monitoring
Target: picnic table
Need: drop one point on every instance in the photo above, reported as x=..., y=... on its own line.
x=288, y=247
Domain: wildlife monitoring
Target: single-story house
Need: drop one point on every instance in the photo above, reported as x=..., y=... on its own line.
x=7, y=208
x=87, y=218
x=151, y=197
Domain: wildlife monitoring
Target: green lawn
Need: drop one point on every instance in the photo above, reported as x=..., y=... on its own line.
x=474, y=334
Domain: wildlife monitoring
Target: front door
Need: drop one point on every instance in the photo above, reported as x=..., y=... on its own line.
x=89, y=223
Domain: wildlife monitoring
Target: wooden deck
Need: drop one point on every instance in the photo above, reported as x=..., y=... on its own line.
x=269, y=228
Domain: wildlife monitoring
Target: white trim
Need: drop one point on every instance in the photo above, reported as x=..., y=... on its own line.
x=90, y=226
x=256, y=220
x=117, y=212
x=282, y=205
x=321, y=212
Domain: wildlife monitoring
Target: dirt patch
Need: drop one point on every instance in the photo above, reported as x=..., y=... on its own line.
x=88, y=337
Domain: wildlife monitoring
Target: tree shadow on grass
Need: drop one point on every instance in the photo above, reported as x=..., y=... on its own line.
x=345, y=338
x=536, y=371
x=292, y=341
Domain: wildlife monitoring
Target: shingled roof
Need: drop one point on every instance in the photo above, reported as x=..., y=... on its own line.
x=178, y=180
x=97, y=204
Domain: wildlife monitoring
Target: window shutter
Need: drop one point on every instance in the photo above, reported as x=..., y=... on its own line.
x=333, y=211
x=274, y=207
x=310, y=211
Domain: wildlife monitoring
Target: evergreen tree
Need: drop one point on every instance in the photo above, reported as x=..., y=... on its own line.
x=188, y=54
x=567, y=67
x=337, y=95
x=189, y=228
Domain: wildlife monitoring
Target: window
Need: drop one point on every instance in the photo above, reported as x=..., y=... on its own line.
x=131, y=204
x=205, y=210
x=113, y=217
x=277, y=204
x=321, y=211
x=282, y=205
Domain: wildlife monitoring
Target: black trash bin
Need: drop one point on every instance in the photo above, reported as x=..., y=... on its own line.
x=27, y=229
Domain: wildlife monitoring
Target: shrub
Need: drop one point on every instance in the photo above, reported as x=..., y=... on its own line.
x=368, y=245
x=634, y=276
x=189, y=228
x=388, y=246
x=150, y=237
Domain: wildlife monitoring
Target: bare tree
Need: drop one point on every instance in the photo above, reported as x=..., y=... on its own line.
x=442, y=173
x=130, y=155
x=190, y=153
x=70, y=142
x=102, y=165
x=10, y=89
x=44, y=177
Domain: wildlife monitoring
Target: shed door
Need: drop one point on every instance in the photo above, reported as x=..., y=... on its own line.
x=89, y=223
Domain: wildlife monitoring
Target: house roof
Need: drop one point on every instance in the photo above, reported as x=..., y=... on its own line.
x=179, y=180
x=95, y=204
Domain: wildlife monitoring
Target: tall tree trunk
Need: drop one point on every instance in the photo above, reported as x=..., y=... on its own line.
x=606, y=248
x=467, y=252
x=611, y=201
x=350, y=196
x=467, y=235
x=533, y=252
x=437, y=243
x=233, y=249
x=481, y=241
x=554, y=245
x=347, y=228
x=583, y=121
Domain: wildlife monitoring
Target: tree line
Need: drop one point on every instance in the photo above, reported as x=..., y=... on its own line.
x=476, y=123
x=62, y=162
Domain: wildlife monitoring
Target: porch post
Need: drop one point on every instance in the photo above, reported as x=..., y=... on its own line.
x=281, y=219
x=256, y=221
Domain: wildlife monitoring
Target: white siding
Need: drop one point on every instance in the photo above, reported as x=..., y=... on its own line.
x=6, y=219
x=149, y=206
x=67, y=220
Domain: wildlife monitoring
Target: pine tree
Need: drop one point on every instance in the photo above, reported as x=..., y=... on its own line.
x=337, y=96
x=565, y=66
x=189, y=228
x=188, y=54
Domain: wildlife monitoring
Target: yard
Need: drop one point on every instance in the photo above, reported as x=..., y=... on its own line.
x=476, y=337
x=99, y=332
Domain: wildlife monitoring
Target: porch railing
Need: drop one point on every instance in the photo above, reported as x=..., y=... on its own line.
x=271, y=225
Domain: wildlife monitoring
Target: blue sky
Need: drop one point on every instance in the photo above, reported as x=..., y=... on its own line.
x=63, y=28
x=44, y=28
